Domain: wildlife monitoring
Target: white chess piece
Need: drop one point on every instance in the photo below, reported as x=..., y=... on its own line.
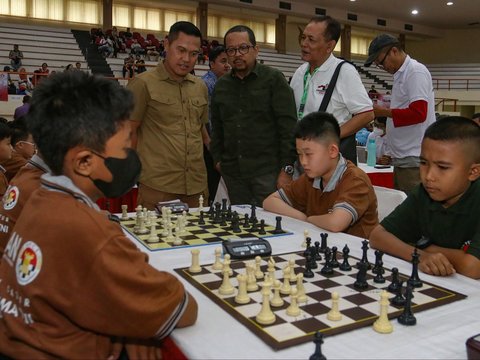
x=305, y=235
x=334, y=314
x=200, y=203
x=226, y=288
x=226, y=264
x=382, y=324
x=124, y=212
x=291, y=265
x=301, y=296
x=251, y=279
x=293, y=309
x=277, y=300
x=138, y=213
x=286, y=288
x=258, y=271
x=217, y=265
x=266, y=316
x=242, y=295
x=178, y=240
x=195, y=267
x=152, y=238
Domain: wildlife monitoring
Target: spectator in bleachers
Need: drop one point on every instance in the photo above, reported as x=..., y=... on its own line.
x=139, y=65
x=69, y=67
x=152, y=51
x=15, y=57
x=127, y=34
x=105, y=46
x=11, y=87
x=136, y=48
x=5, y=152
x=128, y=66
x=412, y=107
x=78, y=66
x=476, y=118
x=349, y=103
x=40, y=74
x=22, y=110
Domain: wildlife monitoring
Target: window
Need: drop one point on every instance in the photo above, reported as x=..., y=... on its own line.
x=13, y=7
x=48, y=9
x=84, y=11
x=219, y=25
x=121, y=15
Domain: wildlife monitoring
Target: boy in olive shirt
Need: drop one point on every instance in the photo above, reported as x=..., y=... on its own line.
x=440, y=216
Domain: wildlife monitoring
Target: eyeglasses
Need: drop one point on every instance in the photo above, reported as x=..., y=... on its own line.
x=380, y=64
x=242, y=49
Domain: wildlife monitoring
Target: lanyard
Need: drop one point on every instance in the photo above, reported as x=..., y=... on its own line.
x=306, y=85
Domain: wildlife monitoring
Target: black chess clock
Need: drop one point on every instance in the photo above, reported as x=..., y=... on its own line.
x=247, y=248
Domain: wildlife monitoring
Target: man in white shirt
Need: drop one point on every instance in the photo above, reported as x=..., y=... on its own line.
x=350, y=103
x=412, y=107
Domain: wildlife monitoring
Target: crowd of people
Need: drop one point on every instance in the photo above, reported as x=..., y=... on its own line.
x=287, y=147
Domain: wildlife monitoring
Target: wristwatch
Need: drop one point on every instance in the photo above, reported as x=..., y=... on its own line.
x=288, y=169
x=423, y=243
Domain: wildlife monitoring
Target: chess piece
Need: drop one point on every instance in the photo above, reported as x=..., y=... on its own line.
x=195, y=267
x=242, y=295
x=152, y=238
x=308, y=242
x=217, y=265
x=271, y=270
x=305, y=236
x=286, y=288
x=224, y=205
x=235, y=223
x=254, y=227
x=318, y=257
x=200, y=203
x=246, y=222
x=414, y=279
x=378, y=258
x=138, y=214
x=393, y=287
x=313, y=253
x=361, y=282
x=334, y=262
x=327, y=268
x=223, y=219
x=201, y=220
x=382, y=324
x=293, y=276
x=301, y=295
x=124, y=212
x=277, y=300
x=308, y=273
x=142, y=229
x=278, y=226
x=253, y=214
x=364, y=258
x=379, y=279
x=226, y=288
x=229, y=213
x=177, y=241
x=334, y=314
x=226, y=264
x=318, y=340
x=251, y=279
x=293, y=309
x=407, y=317
x=258, y=271
x=398, y=299
x=323, y=244
x=262, y=231
x=345, y=266
x=266, y=316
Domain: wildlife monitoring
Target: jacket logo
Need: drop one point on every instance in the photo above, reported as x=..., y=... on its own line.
x=10, y=197
x=29, y=263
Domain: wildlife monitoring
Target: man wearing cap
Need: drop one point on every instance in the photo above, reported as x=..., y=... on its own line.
x=412, y=107
x=350, y=103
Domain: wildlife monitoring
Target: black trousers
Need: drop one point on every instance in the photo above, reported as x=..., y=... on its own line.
x=213, y=176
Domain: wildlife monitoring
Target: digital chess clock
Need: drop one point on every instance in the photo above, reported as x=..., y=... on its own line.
x=247, y=248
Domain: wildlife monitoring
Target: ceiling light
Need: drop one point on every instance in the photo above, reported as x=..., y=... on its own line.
x=450, y=3
x=353, y=0
x=415, y=12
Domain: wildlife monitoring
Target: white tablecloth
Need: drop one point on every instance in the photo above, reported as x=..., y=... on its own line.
x=439, y=333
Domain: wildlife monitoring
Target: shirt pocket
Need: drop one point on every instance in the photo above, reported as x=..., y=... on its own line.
x=198, y=110
x=168, y=112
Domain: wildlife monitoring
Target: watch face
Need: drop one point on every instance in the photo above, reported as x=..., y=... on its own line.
x=423, y=242
x=288, y=169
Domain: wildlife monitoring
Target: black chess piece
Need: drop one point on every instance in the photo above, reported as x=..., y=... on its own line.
x=378, y=257
x=318, y=340
x=398, y=299
x=254, y=227
x=414, y=278
x=313, y=262
x=407, y=317
x=253, y=214
x=327, y=267
x=361, y=282
x=364, y=258
x=323, y=244
x=229, y=213
x=246, y=223
x=224, y=205
x=308, y=241
x=393, y=287
x=262, y=228
x=334, y=262
x=379, y=279
x=318, y=257
x=217, y=218
x=223, y=219
x=345, y=266
x=308, y=273
x=278, y=225
x=201, y=220
x=235, y=223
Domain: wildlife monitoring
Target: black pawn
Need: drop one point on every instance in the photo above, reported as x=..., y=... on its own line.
x=308, y=241
x=327, y=267
x=246, y=223
x=229, y=213
x=217, y=218
x=318, y=257
x=262, y=228
x=211, y=211
x=254, y=227
x=379, y=279
x=223, y=219
x=323, y=244
x=364, y=258
x=393, y=287
x=398, y=299
x=308, y=273
x=313, y=261
x=378, y=257
x=253, y=214
x=414, y=278
x=224, y=205
x=334, y=262
x=407, y=317
x=318, y=340
x=236, y=223
x=345, y=266
x=201, y=220
x=361, y=282
x=278, y=226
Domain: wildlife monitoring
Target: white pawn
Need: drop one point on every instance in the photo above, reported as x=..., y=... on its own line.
x=226, y=264
x=138, y=214
x=152, y=238
x=200, y=203
x=226, y=288
x=305, y=235
x=382, y=324
x=143, y=228
x=301, y=296
x=242, y=295
x=291, y=265
x=293, y=309
x=217, y=265
x=170, y=236
x=258, y=271
x=195, y=267
x=178, y=240
x=124, y=212
x=286, y=288
x=251, y=279
x=266, y=316
x=271, y=271
x=334, y=314
x=277, y=300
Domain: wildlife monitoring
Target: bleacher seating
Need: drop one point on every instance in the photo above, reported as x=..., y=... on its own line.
x=455, y=76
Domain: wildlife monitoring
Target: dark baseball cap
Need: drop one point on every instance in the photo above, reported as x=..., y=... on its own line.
x=377, y=45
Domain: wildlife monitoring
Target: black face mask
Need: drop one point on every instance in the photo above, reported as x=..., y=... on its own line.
x=125, y=174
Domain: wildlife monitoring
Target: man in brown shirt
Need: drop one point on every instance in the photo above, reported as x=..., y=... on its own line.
x=171, y=110
x=5, y=152
x=72, y=285
x=333, y=193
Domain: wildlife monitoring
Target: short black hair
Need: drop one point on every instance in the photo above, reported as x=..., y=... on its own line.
x=215, y=52
x=26, y=99
x=476, y=116
x=456, y=129
x=19, y=130
x=5, y=130
x=75, y=108
x=184, y=27
x=333, y=29
x=318, y=125
x=241, y=28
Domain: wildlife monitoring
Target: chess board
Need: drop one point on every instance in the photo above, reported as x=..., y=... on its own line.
x=358, y=308
x=197, y=235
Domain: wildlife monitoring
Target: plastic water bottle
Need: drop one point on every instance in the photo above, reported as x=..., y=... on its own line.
x=371, y=152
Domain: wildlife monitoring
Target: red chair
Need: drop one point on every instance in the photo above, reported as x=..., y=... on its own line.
x=136, y=35
x=150, y=37
x=108, y=32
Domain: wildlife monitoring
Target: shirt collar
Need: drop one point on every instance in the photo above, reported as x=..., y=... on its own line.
x=404, y=65
x=38, y=162
x=254, y=71
x=164, y=75
x=457, y=208
x=336, y=176
x=326, y=65
x=64, y=184
x=2, y=169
